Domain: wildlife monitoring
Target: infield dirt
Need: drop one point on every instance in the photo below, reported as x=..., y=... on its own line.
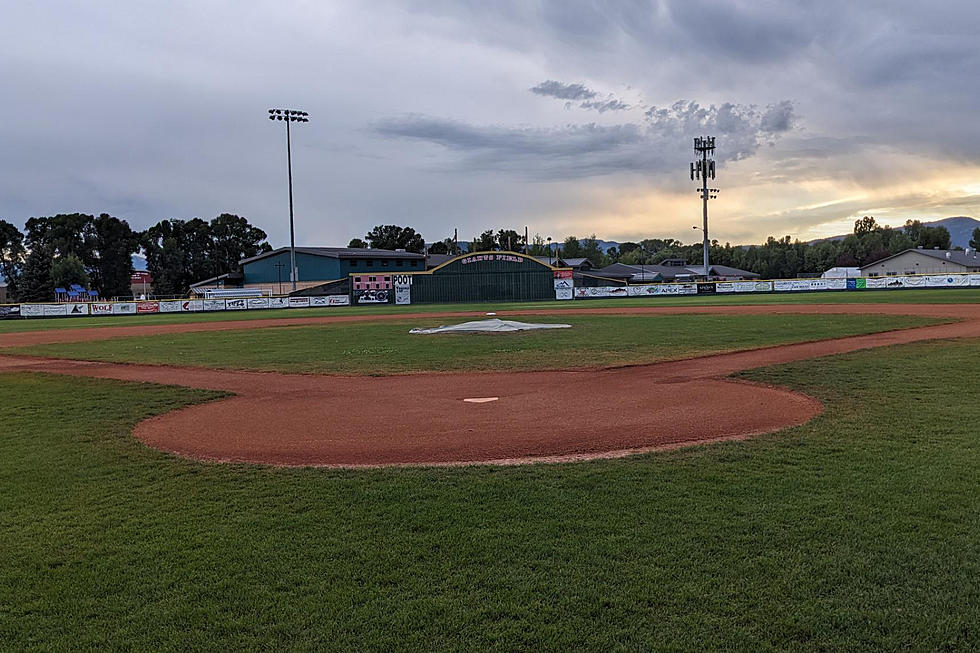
x=422, y=419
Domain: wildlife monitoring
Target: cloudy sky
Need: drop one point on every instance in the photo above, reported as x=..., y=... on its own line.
x=568, y=116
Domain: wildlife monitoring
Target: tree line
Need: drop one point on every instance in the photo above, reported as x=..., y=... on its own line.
x=96, y=252
x=776, y=258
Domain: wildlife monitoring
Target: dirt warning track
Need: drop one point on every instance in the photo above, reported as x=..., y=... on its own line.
x=519, y=417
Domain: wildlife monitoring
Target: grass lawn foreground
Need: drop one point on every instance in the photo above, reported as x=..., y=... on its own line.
x=387, y=347
x=860, y=529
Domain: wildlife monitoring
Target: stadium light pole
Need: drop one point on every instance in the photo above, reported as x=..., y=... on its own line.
x=288, y=116
x=702, y=169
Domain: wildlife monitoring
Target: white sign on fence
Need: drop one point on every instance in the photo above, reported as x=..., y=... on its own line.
x=124, y=308
x=77, y=310
x=213, y=304
x=258, y=303
x=299, y=302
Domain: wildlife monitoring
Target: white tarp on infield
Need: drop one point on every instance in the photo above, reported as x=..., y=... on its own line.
x=489, y=326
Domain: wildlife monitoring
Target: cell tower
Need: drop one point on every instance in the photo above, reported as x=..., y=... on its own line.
x=704, y=169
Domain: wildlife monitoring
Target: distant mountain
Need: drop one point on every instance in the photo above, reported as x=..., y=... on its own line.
x=960, y=230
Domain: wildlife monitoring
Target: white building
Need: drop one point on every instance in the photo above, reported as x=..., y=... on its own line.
x=924, y=261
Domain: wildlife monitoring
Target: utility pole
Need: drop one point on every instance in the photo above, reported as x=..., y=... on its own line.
x=703, y=169
x=290, y=115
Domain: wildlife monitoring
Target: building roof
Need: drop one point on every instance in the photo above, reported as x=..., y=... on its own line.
x=576, y=262
x=968, y=258
x=438, y=259
x=339, y=252
x=235, y=277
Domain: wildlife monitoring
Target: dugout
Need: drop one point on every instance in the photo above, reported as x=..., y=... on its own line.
x=486, y=277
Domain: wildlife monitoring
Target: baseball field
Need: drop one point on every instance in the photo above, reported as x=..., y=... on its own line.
x=794, y=472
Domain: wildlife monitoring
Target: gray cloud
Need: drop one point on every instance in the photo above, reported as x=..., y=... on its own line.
x=602, y=106
x=562, y=91
x=583, y=150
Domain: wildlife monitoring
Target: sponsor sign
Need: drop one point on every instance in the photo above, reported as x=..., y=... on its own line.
x=790, y=285
x=124, y=308
x=852, y=284
x=235, y=304
x=562, y=274
x=563, y=293
x=32, y=310
x=743, y=286
x=213, y=304
x=338, y=300
x=192, y=305
x=601, y=291
x=257, y=303
x=147, y=307
x=706, y=288
x=319, y=301
x=975, y=279
x=403, y=295
x=402, y=279
x=563, y=283
x=8, y=312
x=663, y=289
x=77, y=310
x=299, y=302
x=279, y=302
x=55, y=310
x=372, y=296
x=100, y=309
x=942, y=280
x=171, y=306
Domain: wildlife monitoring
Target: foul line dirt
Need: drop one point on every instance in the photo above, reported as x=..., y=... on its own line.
x=298, y=420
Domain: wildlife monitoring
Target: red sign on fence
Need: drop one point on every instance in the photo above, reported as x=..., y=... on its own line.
x=148, y=307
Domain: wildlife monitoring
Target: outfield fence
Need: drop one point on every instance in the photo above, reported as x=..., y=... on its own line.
x=150, y=307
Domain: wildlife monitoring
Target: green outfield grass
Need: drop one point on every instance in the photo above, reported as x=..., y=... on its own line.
x=859, y=530
x=925, y=296
x=387, y=347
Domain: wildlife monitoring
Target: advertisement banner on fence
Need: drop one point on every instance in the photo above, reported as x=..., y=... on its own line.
x=238, y=304
x=943, y=280
x=563, y=293
x=743, y=286
x=877, y=283
x=173, y=306
x=975, y=279
x=32, y=310
x=564, y=283
x=403, y=295
x=9, y=311
x=147, y=307
x=214, y=304
x=664, y=289
x=706, y=288
x=371, y=296
x=279, y=302
x=319, y=301
x=77, y=310
x=100, y=309
x=257, y=303
x=601, y=291
x=784, y=285
x=562, y=274
x=299, y=302
x=338, y=300
x=124, y=308
x=55, y=310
